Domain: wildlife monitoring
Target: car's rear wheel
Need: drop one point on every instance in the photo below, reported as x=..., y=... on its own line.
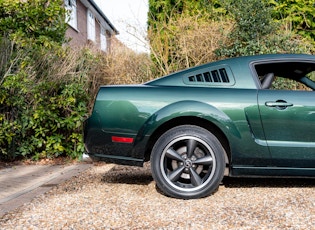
x=187, y=162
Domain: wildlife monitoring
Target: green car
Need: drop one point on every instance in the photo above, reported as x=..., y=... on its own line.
x=239, y=117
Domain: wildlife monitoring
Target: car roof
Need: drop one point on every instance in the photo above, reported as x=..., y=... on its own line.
x=237, y=64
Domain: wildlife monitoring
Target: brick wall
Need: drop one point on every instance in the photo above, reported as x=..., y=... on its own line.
x=79, y=36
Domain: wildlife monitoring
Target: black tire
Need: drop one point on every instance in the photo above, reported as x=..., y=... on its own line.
x=187, y=162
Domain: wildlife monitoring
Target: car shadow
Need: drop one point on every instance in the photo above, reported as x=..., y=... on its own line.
x=128, y=175
x=120, y=174
x=232, y=182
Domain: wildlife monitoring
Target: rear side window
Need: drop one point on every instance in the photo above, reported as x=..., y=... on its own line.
x=287, y=74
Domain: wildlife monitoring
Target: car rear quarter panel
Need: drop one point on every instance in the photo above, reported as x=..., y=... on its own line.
x=149, y=107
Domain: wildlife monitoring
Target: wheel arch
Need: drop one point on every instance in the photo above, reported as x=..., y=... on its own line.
x=189, y=120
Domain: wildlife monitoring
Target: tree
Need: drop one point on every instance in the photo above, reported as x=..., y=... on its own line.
x=183, y=33
x=164, y=10
x=33, y=22
x=255, y=32
x=298, y=15
x=43, y=90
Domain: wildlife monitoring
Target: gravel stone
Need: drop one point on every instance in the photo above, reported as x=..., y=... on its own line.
x=108, y=196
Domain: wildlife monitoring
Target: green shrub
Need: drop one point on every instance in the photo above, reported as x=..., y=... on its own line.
x=33, y=22
x=43, y=102
x=255, y=32
x=47, y=89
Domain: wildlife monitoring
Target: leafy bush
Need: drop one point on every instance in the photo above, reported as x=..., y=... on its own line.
x=124, y=66
x=33, y=22
x=42, y=114
x=297, y=15
x=255, y=32
x=47, y=89
x=47, y=93
x=186, y=41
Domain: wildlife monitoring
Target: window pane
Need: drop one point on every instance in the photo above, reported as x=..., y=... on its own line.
x=71, y=17
x=91, y=26
x=103, y=39
x=281, y=83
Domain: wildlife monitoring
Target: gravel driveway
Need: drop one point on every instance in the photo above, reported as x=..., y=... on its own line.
x=121, y=197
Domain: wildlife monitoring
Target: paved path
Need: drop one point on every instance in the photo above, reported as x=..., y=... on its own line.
x=20, y=184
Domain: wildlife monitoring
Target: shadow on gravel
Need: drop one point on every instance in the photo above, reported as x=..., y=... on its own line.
x=128, y=175
x=120, y=174
x=230, y=182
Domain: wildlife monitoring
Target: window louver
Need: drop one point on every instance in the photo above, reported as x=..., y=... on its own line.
x=216, y=76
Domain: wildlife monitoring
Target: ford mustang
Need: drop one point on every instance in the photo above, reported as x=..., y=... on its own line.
x=239, y=117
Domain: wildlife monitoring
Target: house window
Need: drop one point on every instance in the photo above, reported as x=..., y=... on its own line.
x=71, y=17
x=90, y=26
x=103, y=39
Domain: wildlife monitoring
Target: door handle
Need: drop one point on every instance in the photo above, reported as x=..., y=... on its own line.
x=279, y=104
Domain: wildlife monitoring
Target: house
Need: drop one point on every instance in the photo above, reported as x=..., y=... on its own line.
x=88, y=26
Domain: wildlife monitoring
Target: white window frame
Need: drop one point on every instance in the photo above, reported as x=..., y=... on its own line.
x=103, y=39
x=91, y=26
x=71, y=17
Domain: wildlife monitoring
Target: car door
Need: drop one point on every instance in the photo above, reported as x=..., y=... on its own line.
x=288, y=119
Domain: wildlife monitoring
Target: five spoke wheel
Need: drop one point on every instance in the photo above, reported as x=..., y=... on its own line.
x=187, y=162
